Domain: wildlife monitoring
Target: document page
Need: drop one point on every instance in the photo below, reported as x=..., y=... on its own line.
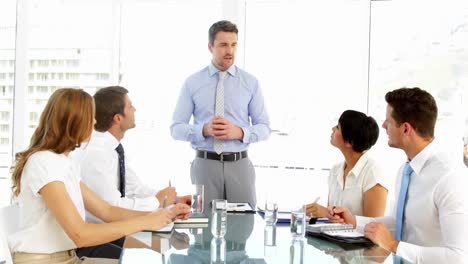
x=239, y=207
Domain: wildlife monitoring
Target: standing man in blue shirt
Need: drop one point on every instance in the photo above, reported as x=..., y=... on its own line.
x=221, y=138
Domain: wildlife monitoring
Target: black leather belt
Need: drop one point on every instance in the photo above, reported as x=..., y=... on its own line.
x=222, y=157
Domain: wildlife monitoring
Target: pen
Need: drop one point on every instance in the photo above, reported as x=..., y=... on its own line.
x=316, y=199
x=170, y=185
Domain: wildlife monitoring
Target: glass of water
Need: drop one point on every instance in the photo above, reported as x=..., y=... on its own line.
x=219, y=218
x=197, y=198
x=298, y=223
x=271, y=213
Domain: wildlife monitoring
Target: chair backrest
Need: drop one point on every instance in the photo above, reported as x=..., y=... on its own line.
x=9, y=217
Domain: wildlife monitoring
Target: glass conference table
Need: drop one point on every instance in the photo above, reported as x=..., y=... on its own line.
x=248, y=240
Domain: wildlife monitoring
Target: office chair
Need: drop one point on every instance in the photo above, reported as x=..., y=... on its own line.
x=8, y=224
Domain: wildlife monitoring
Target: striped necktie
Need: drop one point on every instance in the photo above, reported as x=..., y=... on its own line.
x=218, y=145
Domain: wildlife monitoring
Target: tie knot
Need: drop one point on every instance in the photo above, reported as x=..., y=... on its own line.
x=407, y=170
x=221, y=75
x=120, y=149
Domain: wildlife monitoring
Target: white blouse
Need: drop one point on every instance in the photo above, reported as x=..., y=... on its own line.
x=39, y=230
x=366, y=174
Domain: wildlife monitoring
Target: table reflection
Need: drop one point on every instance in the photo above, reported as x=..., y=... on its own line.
x=249, y=240
x=231, y=249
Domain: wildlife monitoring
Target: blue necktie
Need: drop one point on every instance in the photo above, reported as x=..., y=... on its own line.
x=407, y=170
x=120, y=151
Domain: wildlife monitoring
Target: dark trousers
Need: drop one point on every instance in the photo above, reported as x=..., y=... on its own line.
x=111, y=250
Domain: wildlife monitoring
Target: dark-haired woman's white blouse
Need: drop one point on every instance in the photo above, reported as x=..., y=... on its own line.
x=366, y=174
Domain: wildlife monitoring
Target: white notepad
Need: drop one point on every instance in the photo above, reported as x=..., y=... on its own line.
x=239, y=207
x=334, y=229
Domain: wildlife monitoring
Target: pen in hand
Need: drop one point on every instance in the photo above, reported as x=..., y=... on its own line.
x=312, y=207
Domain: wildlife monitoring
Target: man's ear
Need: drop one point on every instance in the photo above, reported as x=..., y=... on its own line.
x=116, y=119
x=210, y=47
x=408, y=127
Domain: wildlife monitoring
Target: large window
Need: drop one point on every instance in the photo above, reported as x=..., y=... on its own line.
x=65, y=49
x=428, y=50
x=311, y=59
x=7, y=76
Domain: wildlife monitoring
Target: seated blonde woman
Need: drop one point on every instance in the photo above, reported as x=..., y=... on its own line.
x=356, y=183
x=53, y=199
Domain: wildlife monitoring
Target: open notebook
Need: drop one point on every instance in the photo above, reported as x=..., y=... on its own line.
x=337, y=232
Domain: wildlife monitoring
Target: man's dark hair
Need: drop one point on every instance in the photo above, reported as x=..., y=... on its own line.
x=109, y=101
x=221, y=26
x=358, y=129
x=415, y=106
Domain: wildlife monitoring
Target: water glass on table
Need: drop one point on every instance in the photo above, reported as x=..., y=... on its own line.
x=198, y=192
x=298, y=223
x=219, y=218
x=271, y=213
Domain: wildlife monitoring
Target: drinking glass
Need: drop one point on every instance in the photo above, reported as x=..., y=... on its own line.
x=298, y=223
x=198, y=193
x=219, y=218
x=271, y=213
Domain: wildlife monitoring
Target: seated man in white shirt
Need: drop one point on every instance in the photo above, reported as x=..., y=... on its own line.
x=431, y=215
x=106, y=171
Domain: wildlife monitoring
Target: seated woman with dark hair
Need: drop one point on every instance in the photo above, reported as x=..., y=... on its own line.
x=357, y=183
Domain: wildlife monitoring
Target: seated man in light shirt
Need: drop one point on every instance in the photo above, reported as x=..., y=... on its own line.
x=431, y=216
x=102, y=165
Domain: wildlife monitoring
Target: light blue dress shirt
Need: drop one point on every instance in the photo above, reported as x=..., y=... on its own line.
x=243, y=106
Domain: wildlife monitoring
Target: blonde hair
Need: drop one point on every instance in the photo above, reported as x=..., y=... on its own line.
x=67, y=120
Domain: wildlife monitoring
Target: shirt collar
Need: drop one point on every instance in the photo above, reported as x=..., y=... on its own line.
x=417, y=163
x=355, y=171
x=359, y=165
x=106, y=137
x=212, y=70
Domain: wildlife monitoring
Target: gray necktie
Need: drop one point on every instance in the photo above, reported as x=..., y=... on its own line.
x=219, y=109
